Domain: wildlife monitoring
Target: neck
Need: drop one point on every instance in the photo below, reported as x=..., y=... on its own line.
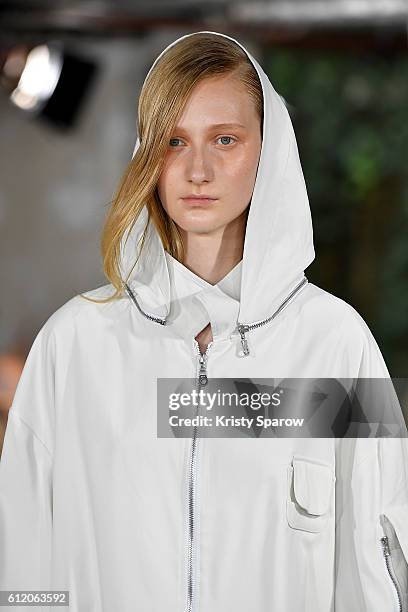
x=212, y=255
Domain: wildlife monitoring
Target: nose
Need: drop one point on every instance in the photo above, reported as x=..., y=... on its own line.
x=199, y=166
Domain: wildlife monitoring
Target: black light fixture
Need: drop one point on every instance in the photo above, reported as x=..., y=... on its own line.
x=48, y=81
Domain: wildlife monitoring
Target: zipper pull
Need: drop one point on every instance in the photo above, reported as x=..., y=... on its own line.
x=202, y=377
x=385, y=545
x=242, y=329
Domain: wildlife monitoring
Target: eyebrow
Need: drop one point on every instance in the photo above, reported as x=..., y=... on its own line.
x=216, y=126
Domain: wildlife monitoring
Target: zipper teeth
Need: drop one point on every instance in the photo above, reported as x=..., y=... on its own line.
x=145, y=314
x=242, y=328
x=387, y=554
x=202, y=371
x=286, y=300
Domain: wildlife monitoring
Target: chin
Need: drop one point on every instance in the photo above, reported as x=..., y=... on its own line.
x=199, y=219
x=200, y=226
x=196, y=228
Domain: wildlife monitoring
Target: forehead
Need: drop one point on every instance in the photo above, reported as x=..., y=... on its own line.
x=220, y=102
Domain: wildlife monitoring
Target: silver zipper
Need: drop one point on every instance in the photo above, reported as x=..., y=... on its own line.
x=145, y=314
x=243, y=329
x=387, y=555
x=202, y=380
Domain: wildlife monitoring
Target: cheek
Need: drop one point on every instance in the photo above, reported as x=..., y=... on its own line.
x=241, y=175
x=166, y=185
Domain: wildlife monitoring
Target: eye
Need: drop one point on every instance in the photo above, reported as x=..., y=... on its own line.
x=223, y=137
x=172, y=140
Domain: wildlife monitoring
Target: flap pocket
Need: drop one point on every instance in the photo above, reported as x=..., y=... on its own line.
x=309, y=494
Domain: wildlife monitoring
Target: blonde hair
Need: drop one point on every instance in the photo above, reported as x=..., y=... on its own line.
x=161, y=102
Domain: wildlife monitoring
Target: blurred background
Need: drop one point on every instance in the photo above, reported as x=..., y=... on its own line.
x=70, y=76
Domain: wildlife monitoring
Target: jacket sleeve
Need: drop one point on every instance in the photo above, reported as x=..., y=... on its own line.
x=371, y=574
x=26, y=475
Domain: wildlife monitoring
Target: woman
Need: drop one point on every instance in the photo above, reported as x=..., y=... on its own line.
x=92, y=500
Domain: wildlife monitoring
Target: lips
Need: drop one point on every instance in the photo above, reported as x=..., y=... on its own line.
x=196, y=202
x=198, y=197
x=202, y=201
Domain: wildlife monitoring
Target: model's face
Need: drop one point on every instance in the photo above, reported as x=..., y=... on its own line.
x=213, y=151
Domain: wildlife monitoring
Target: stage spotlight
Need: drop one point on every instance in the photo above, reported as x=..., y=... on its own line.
x=48, y=81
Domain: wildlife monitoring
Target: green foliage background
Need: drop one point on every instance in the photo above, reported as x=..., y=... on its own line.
x=350, y=115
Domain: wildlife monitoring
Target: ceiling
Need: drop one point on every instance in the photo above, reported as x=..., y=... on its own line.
x=271, y=20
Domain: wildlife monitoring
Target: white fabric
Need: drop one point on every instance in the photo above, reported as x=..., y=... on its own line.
x=93, y=502
x=195, y=302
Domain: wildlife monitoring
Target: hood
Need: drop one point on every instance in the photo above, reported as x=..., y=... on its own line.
x=278, y=244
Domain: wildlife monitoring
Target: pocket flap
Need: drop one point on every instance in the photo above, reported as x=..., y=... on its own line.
x=312, y=485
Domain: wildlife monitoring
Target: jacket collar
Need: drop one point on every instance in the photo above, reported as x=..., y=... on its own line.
x=195, y=302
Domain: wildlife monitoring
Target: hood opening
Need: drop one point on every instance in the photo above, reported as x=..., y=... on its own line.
x=278, y=244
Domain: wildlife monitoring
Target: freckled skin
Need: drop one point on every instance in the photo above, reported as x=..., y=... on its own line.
x=217, y=161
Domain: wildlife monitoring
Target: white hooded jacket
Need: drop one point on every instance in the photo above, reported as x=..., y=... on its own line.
x=94, y=502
